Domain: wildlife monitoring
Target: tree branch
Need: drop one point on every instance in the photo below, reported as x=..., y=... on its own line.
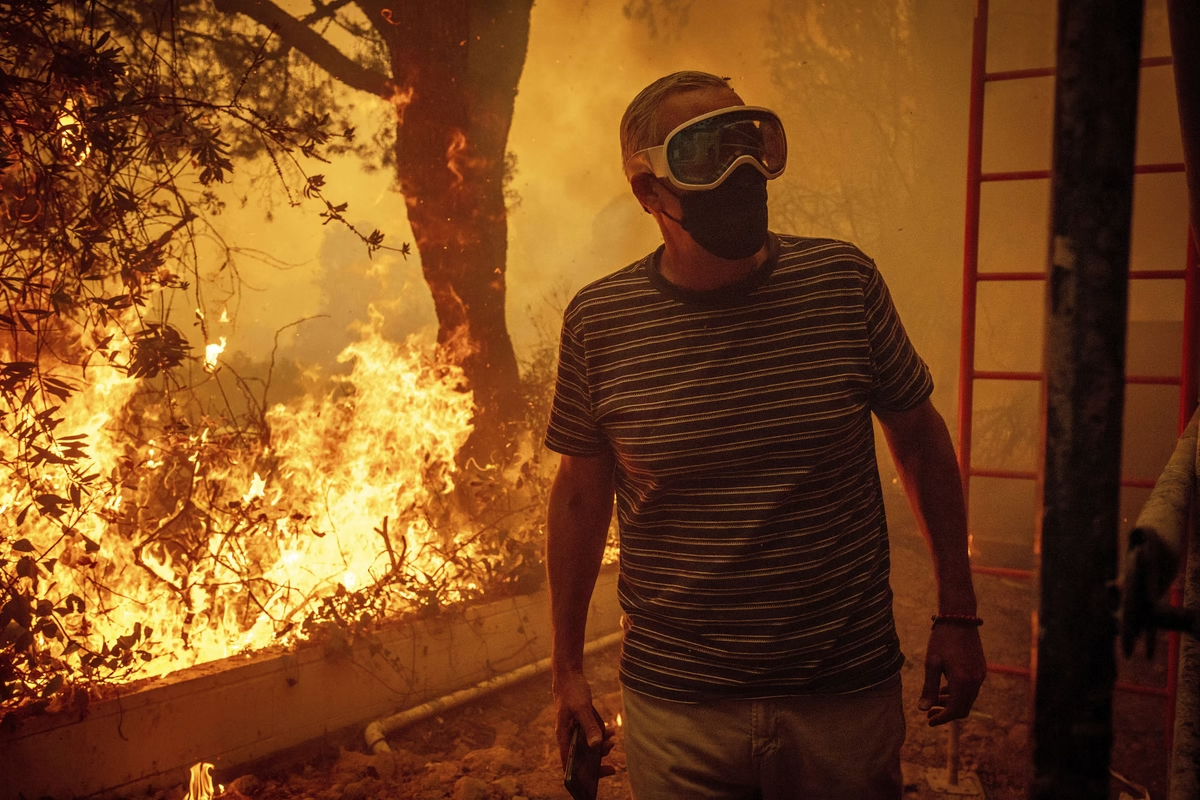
x=296, y=34
x=324, y=11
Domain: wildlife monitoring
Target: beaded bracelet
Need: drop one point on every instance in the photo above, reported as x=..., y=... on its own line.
x=957, y=619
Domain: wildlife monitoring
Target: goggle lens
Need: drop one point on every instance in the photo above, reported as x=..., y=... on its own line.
x=704, y=151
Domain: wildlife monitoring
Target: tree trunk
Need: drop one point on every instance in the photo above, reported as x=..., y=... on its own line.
x=455, y=66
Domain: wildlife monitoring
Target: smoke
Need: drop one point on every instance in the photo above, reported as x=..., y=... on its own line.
x=874, y=96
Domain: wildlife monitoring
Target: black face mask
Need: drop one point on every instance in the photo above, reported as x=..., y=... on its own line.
x=729, y=221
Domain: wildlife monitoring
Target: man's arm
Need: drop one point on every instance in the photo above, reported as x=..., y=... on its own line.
x=581, y=503
x=925, y=460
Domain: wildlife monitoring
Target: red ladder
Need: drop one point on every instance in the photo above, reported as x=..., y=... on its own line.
x=968, y=374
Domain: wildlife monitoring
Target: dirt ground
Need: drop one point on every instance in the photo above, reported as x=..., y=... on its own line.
x=501, y=748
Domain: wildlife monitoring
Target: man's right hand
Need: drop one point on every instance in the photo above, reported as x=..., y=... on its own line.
x=573, y=703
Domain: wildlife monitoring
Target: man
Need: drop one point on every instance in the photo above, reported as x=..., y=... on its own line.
x=722, y=389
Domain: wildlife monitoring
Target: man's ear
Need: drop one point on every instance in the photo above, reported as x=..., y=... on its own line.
x=645, y=189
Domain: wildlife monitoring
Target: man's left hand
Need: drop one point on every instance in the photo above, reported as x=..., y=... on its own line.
x=955, y=652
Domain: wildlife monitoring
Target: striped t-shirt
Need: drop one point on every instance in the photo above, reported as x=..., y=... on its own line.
x=754, y=553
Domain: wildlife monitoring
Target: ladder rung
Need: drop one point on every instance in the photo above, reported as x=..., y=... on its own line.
x=995, y=375
x=1139, y=483
x=1044, y=174
x=1010, y=276
x=1047, y=72
x=1019, y=74
x=1017, y=475
x=1158, y=274
x=1003, y=572
x=1141, y=380
x=1018, y=175
x=1120, y=686
x=1152, y=169
x=1140, y=688
x=1153, y=380
x=1013, y=474
x=1134, y=275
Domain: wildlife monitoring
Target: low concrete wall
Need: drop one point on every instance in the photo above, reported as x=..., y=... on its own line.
x=244, y=709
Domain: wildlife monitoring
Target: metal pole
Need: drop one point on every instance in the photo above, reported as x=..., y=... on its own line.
x=1095, y=122
x=966, y=355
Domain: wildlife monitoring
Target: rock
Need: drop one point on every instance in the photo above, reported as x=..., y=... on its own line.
x=247, y=785
x=443, y=771
x=382, y=765
x=492, y=761
x=469, y=788
x=360, y=789
x=408, y=763
x=507, y=785
x=352, y=762
x=431, y=782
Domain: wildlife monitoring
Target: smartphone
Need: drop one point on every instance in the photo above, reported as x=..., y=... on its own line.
x=582, y=774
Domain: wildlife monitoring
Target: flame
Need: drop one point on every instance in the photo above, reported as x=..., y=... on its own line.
x=200, y=783
x=458, y=144
x=72, y=136
x=401, y=99
x=458, y=159
x=257, y=489
x=619, y=721
x=204, y=550
x=211, y=353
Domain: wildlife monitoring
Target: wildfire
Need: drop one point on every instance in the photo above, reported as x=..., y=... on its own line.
x=192, y=551
x=211, y=353
x=454, y=152
x=200, y=784
x=72, y=136
x=458, y=160
x=401, y=99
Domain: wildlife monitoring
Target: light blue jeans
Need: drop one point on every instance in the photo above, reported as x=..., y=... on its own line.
x=822, y=747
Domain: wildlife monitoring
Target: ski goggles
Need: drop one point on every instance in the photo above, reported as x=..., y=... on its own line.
x=702, y=152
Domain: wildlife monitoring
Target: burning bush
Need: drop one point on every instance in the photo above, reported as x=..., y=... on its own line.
x=140, y=531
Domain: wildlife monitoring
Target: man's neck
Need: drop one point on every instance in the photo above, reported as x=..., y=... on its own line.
x=690, y=266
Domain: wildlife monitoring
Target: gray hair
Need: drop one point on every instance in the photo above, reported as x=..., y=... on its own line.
x=639, y=125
